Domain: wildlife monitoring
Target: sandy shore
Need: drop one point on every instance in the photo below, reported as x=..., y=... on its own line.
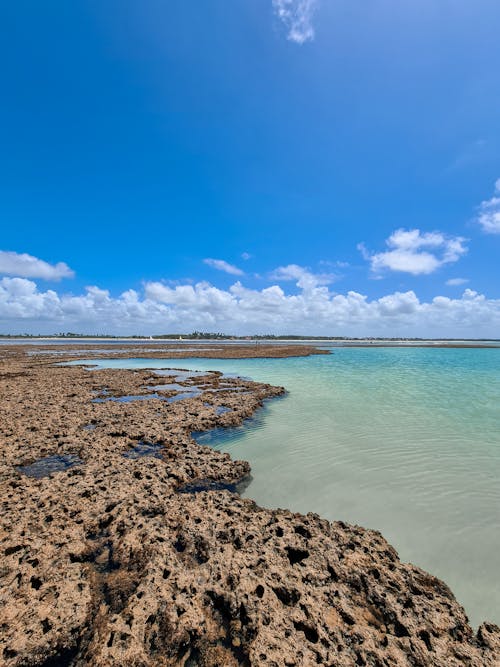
x=114, y=561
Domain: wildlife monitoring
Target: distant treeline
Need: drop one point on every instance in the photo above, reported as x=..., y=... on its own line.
x=210, y=335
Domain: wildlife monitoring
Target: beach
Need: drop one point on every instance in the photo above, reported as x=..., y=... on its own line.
x=137, y=549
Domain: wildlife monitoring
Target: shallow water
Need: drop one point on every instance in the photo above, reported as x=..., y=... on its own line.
x=144, y=449
x=406, y=441
x=126, y=399
x=50, y=464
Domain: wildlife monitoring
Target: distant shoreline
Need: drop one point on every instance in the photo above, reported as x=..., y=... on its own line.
x=331, y=342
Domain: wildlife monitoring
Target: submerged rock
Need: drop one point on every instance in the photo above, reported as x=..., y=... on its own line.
x=50, y=464
x=144, y=449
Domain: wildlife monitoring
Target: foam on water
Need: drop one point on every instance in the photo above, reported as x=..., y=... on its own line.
x=406, y=441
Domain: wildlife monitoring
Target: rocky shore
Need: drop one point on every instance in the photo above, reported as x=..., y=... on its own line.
x=137, y=551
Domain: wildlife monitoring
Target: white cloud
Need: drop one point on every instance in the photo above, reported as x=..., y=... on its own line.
x=246, y=256
x=296, y=15
x=161, y=308
x=337, y=264
x=27, y=266
x=489, y=212
x=221, y=265
x=304, y=278
x=415, y=252
x=453, y=282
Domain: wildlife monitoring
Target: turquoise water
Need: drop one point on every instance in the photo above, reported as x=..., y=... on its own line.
x=406, y=441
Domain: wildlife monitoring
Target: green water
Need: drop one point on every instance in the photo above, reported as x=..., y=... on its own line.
x=406, y=441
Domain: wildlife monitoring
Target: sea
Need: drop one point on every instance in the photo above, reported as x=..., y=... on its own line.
x=403, y=440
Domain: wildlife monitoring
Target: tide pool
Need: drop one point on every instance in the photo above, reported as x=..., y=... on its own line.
x=405, y=441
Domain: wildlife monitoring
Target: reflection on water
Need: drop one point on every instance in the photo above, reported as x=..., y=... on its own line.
x=406, y=441
x=126, y=399
x=222, y=410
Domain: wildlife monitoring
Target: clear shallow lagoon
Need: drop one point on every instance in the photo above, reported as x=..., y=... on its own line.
x=406, y=441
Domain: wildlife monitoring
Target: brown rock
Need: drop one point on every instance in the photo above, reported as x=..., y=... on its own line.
x=105, y=563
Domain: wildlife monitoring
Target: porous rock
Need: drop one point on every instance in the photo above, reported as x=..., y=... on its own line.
x=106, y=564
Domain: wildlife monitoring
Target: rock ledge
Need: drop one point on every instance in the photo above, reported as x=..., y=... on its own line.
x=107, y=564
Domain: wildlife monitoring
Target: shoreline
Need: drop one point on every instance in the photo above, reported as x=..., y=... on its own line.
x=316, y=343
x=107, y=564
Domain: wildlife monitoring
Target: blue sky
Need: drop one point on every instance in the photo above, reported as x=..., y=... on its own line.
x=286, y=166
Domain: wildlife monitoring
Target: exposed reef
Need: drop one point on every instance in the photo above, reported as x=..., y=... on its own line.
x=141, y=554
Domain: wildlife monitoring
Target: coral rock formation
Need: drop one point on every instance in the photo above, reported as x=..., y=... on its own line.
x=106, y=563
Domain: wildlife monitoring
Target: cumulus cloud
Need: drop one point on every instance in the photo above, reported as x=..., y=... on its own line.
x=489, y=212
x=296, y=15
x=221, y=265
x=160, y=308
x=27, y=266
x=415, y=252
x=454, y=282
x=303, y=278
